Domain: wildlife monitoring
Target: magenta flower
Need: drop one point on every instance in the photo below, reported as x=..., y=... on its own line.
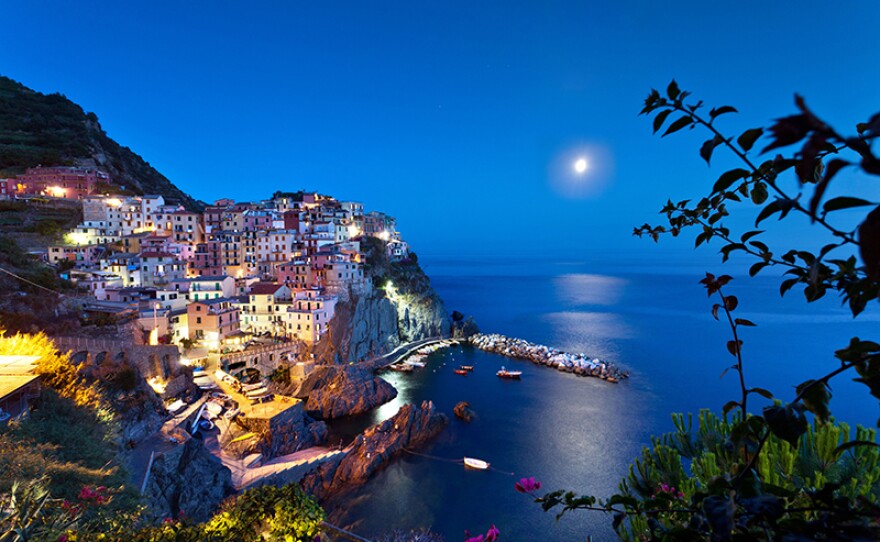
x=527, y=485
x=493, y=533
x=478, y=538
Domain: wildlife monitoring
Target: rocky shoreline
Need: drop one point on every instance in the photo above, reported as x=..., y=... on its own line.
x=578, y=364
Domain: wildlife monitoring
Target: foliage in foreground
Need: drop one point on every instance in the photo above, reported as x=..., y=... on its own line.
x=262, y=514
x=773, y=476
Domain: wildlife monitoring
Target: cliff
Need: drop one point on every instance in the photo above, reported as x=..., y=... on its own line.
x=334, y=391
x=282, y=434
x=187, y=479
x=48, y=129
x=401, y=307
x=373, y=449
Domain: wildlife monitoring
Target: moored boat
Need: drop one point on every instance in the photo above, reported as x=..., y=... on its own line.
x=474, y=463
x=401, y=368
x=467, y=367
x=460, y=371
x=504, y=373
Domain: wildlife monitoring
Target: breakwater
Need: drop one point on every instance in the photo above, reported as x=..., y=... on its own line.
x=578, y=364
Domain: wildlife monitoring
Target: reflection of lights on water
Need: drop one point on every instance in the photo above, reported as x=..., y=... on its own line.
x=581, y=171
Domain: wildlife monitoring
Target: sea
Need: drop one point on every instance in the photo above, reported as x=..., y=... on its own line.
x=649, y=316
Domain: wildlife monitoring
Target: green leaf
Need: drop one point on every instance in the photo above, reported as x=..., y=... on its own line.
x=680, y=123
x=786, y=423
x=728, y=178
x=748, y=138
x=815, y=395
x=854, y=443
x=844, y=202
x=770, y=209
x=730, y=405
x=734, y=347
x=756, y=268
x=660, y=119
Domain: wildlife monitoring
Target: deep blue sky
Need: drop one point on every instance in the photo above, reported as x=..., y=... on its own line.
x=448, y=115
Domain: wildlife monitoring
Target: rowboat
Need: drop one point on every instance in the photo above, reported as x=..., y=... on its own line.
x=460, y=371
x=473, y=463
x=467, y=367
x=401, y=368
x=414, y=363
x=504, y=373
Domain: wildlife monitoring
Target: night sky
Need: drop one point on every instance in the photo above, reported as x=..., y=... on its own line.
x=462, y=119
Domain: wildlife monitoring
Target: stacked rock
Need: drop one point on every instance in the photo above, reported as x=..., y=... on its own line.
x=578, y=364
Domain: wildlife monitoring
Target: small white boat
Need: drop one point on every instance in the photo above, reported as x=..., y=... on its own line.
x=473, y=463
x=176, y=406
x=504, y=373
x=231, y=413
x=414, y=363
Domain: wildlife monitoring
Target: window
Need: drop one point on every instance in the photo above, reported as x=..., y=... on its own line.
x=198, y=319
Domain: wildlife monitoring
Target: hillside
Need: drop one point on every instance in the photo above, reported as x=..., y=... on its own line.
x=49, y=129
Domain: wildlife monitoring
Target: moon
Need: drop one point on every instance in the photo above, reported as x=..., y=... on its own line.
x=580, y=165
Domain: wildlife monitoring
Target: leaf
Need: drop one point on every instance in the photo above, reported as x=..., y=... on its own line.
x=869, y=243
x=844, y=202
x=730, y=405
x=786, y=423
x=749, y=234
x=715, y=112
x=756, y=268
x=709, y=146
x=748, y=138
x=731, y=302
x=759, y=193
x=680, y=123
x=734, y=347
x=719, y=513
x=744, y=322
x=672, y=90
x=833, y=167
x=815, y=395
x=762, y=392
x=768, y=210
x=715, y=308
x=854, y=443
x=660, y=119
x=728, y=178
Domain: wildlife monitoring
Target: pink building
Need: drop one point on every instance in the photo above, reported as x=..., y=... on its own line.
x=60, y=181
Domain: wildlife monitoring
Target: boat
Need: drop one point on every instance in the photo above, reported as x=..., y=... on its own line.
x=504, y=373
x=460, y=371
x=231, y=413
x=207, y=425
x=467, y=367
x=175, y=407
x=401, y=368
x=474, y=463
x=413, y=363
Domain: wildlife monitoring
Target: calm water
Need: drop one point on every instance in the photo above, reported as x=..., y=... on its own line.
x=581, y=433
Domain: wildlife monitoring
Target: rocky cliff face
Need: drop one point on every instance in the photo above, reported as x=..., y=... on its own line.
x=288, y=432
x=364, y=327
x=373, y=449
x=343, y=390
x=187, y=479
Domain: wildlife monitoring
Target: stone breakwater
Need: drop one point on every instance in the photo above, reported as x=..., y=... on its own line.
x=578, y=364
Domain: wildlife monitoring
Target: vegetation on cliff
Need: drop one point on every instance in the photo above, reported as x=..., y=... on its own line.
x=48, y=129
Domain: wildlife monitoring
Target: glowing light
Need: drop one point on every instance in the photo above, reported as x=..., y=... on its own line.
x=353, y=231
x=582, y=171
x=385, y=236
x=56, y=191
x=581, y=165
x=114, y=202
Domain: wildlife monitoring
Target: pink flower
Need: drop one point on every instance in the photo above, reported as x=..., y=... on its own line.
x=478, y=538
x=493, y=533
x=527, y=485
x=62, y=538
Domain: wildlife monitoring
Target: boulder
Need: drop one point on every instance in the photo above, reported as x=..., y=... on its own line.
x=373, y=449
x=343, y=390
x=463, y=411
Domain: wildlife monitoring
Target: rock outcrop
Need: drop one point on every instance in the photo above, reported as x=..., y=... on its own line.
x=282, y=434
x=342, y=390
x=363, y=327
x=463, y=411
x=375, y=448
x=187, y=479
